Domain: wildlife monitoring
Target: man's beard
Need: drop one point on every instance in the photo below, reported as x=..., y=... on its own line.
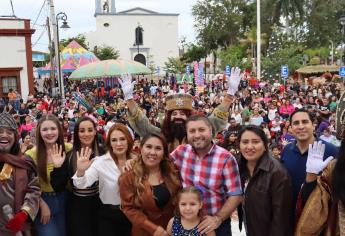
x=5, y=150
x=201, y=144
x=178, y=129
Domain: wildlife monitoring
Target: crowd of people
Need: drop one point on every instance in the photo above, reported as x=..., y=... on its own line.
x=160, y=158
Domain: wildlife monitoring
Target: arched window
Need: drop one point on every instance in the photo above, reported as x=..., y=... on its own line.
x=139, y=36
x=140, y=58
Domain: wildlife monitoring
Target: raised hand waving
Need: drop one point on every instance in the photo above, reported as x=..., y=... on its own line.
x=234, y=80
x=315, y=163
x=57, y=155
x=127, y=86
x=83, y=160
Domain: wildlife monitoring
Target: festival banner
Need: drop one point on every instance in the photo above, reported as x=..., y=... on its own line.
x=196, y=76
x=201, y=74
x=196, y=71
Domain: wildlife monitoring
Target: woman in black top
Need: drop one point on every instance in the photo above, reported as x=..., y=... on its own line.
x=84, y=202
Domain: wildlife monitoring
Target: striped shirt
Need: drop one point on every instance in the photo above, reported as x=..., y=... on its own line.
x=216, y=174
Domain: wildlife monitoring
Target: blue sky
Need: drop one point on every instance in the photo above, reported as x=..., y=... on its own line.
x=80, y=15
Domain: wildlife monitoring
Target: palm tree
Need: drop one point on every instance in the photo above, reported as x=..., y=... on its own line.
x=250, y=40
x=287, y=9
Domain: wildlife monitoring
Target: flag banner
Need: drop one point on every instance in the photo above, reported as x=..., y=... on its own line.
x=201, y=74
x=196, y=68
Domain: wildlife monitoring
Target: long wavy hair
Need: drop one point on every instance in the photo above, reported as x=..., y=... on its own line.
x=167, y=128
x=41, y=148
x=338, y=179
x=123, y=129
x=96, y=149
x=169, y=172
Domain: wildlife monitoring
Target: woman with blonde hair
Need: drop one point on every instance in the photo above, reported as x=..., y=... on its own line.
x=148, y=190
x=106, y=169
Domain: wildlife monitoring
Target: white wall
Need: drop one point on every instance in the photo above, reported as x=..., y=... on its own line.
x=12, y=24
x=13, y=54
x=160, y=35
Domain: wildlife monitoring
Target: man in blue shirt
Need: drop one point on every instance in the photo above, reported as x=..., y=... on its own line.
x=294, y=155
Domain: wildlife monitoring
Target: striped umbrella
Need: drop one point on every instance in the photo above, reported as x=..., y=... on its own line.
x=109, y=68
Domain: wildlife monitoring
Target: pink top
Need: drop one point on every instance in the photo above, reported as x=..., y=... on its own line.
x=287, y=109
x=26, y=127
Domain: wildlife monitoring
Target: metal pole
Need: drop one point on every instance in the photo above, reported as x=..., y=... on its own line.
x=56, y=42
x=258, y=41
x=52, y=71
x=61, y=80
x=59, y=72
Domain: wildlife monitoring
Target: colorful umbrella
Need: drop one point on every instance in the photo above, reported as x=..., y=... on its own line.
x=109, y=68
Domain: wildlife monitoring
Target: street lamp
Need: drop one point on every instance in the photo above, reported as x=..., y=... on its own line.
x=342, y=22
x=60, y=16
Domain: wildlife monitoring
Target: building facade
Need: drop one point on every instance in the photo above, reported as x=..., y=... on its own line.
x=139, y=34
x=16, y=70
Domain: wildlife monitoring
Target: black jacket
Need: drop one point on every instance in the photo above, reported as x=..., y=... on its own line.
x=267, y=199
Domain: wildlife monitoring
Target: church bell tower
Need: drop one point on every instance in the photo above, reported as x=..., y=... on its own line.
x=105, y=7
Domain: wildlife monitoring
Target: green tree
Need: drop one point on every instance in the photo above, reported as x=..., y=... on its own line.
x=275, y=41
x=219, y=23
x=174, y=65
x=290, y=55
x=250, y=41
x=317, y=54
x=288, y=9
x=80, y=38
x=322, y=23
x=106, y=52
x=233, y=56
x=194, y=53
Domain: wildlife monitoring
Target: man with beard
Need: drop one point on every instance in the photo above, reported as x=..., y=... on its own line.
x=19, y=188
x=213, y=170
x=178, y=109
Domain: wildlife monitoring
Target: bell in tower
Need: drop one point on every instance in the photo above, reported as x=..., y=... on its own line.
x=105, y=7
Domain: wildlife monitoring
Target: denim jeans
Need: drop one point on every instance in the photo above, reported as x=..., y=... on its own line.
x=224, y=229
x=57, y=223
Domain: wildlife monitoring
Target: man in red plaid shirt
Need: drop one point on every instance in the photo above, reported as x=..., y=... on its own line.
x=213, y=169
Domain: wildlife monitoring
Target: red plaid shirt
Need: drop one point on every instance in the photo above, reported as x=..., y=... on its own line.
x=216, y=173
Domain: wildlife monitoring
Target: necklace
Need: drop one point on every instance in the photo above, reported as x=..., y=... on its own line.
x=155, y=177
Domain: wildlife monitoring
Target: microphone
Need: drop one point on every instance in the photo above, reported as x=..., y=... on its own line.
x=8, y=214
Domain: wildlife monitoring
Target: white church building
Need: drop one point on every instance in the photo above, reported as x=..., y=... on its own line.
x=139, y=34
